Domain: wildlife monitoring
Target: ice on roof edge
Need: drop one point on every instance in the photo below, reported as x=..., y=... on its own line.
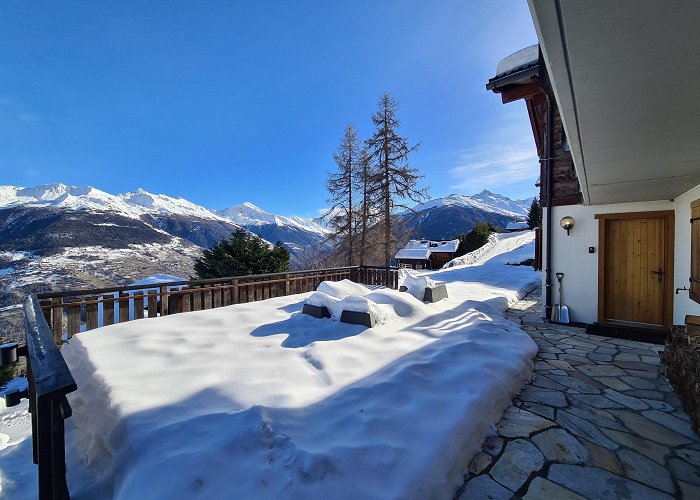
x=523, y=57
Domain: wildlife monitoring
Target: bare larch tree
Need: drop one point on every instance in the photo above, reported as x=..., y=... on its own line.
x=341, y=185
x=393, y=182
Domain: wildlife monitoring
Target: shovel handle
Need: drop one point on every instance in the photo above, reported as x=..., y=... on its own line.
x=559, y=276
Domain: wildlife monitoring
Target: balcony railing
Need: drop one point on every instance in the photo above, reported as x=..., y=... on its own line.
x=52, y=318
x=72, y=311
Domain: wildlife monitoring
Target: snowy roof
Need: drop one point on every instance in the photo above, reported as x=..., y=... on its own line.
x=518, y=60
x=516, y=226
x=413, y=253
x=421, y=249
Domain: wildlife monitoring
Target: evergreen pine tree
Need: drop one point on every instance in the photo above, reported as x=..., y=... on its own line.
x=240, y=255
x=534, y=216
x=474, y=239
x=392, y=181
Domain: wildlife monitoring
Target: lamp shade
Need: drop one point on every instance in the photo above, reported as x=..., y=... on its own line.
x=567, y=223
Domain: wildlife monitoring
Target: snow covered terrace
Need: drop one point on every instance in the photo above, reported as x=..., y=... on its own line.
x=258, y=400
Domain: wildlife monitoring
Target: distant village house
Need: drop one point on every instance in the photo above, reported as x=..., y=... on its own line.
x=426, y=254
x=517, y=226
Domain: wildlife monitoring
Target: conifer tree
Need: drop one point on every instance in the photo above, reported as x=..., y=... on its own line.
x=534, y=216
x=367, y=209
x=240, y=255
x=341, y=185
x=392, y=182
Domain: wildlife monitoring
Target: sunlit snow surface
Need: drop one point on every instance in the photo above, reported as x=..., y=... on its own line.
x=259, y=401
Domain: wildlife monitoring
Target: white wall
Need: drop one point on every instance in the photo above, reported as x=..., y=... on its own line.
x=682, y=303
x=570, y=254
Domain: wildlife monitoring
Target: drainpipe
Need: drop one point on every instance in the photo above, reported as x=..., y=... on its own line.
x=549, y=166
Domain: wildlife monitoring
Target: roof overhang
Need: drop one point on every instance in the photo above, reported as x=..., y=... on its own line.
x=625, y=76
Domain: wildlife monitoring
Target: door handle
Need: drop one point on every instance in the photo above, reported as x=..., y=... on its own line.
x=659, y=274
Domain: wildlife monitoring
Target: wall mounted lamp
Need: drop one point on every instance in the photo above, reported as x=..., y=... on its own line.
x=567, y=223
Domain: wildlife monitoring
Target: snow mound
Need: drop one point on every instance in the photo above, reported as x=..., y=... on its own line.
x=497, y=244
x=342, y=289
x=290, y=406
x=416, y=285
x=383, y=305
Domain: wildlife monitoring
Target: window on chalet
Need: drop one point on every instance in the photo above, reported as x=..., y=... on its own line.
x=695, y=250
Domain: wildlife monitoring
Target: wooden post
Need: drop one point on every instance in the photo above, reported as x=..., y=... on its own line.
x=138, y=305
x=107, y=310
x=236, y=299
x=74, y=306
x=196, y=298
x=173, y=302
x=186, y=300
x=91, y=318
x=124, y=315
x=164, y=300
x=217, y=297
x=46, y=310
x=57, y=319
x=152, y=303
x=207, y=298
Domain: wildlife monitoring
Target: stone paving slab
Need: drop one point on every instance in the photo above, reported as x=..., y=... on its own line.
x=597, y=420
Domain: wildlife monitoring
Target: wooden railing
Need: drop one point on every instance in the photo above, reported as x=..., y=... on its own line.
x=52, y=318
x=72, y=311
x=49, y=381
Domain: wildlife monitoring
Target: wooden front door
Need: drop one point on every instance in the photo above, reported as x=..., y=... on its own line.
x=636, y=269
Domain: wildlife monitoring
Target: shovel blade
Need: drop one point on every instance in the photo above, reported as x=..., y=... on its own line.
x=556, y=313
x=563, y=314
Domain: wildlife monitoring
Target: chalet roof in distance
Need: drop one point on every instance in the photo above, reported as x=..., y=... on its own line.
x=518, y=67
x=517, y=226
x=421, y=249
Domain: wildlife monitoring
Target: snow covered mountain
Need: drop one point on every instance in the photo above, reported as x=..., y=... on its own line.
x=456, y=214
x=248, y=215
x=485, y=201
x=133, y=204
x=295, y=233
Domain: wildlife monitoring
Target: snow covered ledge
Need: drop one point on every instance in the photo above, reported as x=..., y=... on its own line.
x=259, y=401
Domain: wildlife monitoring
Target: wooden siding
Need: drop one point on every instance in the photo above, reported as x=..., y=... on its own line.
x=565, y=186
x=439, y=259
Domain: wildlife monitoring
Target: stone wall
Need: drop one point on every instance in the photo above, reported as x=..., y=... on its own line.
x=681, y=365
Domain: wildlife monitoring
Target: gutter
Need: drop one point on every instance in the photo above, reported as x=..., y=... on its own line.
x=548, y=223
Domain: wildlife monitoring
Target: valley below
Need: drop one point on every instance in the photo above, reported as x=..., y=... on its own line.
x=57, y=237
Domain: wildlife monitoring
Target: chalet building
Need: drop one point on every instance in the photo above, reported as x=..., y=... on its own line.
x=512, y=227
x=426, y=254
x=611, y=93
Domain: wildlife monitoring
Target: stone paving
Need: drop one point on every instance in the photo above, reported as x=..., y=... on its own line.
x=597, y=420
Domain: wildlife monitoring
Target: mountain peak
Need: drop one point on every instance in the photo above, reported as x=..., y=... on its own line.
x=248, y=205
x=485, y=200
x=490, y=194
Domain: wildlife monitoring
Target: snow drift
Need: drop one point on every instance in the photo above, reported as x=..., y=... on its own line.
x=260, y=401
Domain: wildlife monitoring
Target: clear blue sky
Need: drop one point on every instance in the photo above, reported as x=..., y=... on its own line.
x=222, y=102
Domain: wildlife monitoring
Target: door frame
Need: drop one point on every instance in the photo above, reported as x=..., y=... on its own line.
x=669, y=216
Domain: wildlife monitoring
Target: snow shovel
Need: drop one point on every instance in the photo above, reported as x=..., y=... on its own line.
x=560, y=313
